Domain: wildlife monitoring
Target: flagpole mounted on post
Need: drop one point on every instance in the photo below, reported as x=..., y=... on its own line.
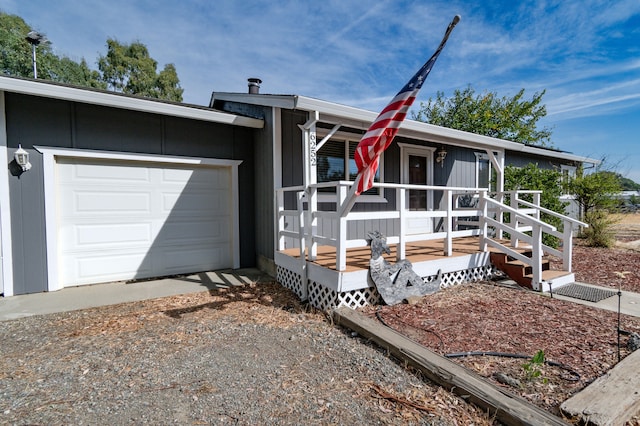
x=384, y=128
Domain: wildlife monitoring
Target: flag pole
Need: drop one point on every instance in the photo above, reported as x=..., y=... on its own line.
x=413, y=86
x=347, y=205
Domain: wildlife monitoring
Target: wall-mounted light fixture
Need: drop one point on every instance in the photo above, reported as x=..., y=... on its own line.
x=440, y=156
x=22, y=158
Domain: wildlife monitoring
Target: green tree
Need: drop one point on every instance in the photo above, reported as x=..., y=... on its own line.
x=65, y=70
x=510, y=118
x=126, y=68
x=595, y=193
x=15, y=50
x=535, y=178
x=130, y=69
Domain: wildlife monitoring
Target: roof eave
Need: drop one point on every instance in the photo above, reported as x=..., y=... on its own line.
x=337, y=113
x=68, y=93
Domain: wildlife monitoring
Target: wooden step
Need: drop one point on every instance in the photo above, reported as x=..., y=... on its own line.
x=522, y=273
x=527, y=269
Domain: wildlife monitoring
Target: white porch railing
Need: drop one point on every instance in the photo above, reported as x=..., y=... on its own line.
x=524, y=216
x=484, y=219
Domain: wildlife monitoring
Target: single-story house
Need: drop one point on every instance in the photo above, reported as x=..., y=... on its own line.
x=124, y=188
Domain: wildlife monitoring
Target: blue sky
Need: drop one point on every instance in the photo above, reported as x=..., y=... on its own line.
x=584, y=53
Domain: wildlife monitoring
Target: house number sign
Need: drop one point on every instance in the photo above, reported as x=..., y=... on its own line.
x=312, y=148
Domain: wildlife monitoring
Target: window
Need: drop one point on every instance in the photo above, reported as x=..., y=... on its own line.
x=483, y=171
x=335, y=161
x=567, y=173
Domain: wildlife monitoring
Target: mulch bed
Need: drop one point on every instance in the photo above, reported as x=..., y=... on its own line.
x=489, y=318
x=580, y=341
x=615, y=267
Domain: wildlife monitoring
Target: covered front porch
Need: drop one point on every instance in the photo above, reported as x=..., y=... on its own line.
x=324, y=257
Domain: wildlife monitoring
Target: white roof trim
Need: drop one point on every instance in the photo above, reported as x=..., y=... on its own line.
x=336, y=113
x=49, y=90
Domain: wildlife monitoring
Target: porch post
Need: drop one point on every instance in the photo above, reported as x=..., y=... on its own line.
x=483, y=222
x=513, y=222
x=401, y=251
x=536, y=256
x=341, y=238
x=448, y=226
x=281, y=220
x=497, y=159
x=304, y=290
x=567, y=246
x=536, y=201
x=301, y=226
x=310, y=177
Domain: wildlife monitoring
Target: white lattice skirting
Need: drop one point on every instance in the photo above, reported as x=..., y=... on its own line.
x=324, y=298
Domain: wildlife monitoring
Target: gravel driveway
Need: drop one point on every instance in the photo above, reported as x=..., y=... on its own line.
x=248, y=355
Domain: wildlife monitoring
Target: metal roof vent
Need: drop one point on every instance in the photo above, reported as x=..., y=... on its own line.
x=254, y=85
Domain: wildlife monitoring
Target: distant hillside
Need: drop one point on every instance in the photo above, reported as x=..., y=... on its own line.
x=629, y=185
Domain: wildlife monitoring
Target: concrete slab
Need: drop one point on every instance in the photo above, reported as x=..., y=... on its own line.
x=629, y=302
x=83, y=297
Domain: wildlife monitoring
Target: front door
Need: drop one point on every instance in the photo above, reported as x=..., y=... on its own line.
x=418, y=169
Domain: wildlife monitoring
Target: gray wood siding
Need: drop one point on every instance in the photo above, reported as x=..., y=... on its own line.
x=48, y=122
x=292, y=164
x=264, y=192
x=518, y=159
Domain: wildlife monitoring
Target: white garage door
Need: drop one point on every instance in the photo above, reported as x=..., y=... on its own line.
x=120, y=220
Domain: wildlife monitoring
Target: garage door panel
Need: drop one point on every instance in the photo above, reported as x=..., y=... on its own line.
x=107, y=202
x=124, y=220
x=194, y=203
x=195, y=259
x=91, y=268
x=112, y=235
x=96, y=172
x=200, y=176
x=183, y=233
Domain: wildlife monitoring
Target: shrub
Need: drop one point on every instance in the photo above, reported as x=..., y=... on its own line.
x=600, y=231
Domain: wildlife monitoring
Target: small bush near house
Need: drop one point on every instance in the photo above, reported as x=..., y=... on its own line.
x=600, y=231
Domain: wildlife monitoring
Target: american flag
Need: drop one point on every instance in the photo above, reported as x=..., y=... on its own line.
x=382, y=131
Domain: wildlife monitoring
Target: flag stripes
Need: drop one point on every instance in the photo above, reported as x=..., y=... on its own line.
x=384, y=128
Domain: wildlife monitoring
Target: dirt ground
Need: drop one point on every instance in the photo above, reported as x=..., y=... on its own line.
x=256, y=355
x=580, y=342
x=615, y=267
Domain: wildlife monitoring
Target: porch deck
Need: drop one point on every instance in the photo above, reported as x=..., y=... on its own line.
x=416, y=252
x=320, y=281
x=432, y=240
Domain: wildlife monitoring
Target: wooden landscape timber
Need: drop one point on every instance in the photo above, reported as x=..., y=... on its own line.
x=611, y=399
x=500, y=403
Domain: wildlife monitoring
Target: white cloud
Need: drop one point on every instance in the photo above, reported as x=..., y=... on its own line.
x=360, y=53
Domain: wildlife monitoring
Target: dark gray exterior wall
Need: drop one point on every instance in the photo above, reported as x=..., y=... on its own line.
x=521, y=160
x=264, y=193
x=40, y=121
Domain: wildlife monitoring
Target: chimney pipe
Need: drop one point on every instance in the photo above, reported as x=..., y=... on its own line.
x=254, y=85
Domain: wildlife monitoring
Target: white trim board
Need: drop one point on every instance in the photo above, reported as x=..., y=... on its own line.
x=6, y=248
x=50, y=155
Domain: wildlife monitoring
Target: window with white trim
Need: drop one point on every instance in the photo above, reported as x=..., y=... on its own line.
x=567, y=174
x=335, y=161
x=483, y=171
